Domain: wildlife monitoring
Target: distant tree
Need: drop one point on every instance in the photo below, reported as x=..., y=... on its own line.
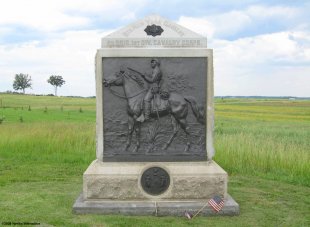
x=22, y=81
x=56, y=81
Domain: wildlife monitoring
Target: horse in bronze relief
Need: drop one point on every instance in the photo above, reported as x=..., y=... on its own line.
x=176, y=106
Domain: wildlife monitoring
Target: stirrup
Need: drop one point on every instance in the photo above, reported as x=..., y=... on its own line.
x=146, y=117
x=140, y=118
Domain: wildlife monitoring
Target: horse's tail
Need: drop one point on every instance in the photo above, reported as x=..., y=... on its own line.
x=197, y=109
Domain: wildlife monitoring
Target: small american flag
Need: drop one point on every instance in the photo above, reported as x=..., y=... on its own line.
x=216, y=203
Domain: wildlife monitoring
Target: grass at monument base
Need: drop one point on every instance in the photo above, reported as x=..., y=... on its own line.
x=44, y=150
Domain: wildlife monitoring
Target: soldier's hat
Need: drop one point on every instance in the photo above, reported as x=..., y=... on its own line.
x=122, y=68
x=156, y=60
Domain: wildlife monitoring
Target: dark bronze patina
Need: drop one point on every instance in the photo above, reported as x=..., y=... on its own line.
x=155, y=181
x=154, y=113
x=153, y=30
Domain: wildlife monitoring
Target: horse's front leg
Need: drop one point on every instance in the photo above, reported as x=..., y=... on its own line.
x=129, y=132
x=137, y=128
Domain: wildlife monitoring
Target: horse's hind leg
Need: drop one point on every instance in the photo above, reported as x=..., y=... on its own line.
x=129, y=132
x=184, y=126
x=175, y=125
x=137, y=129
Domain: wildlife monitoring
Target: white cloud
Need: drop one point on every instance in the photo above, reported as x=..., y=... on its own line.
x=282, y=81
x=40, y=15
x=272, y=48
x=5, y=30
x=200, y=25
x=277, y=63
x=232, y=22
x=271, y=64
x=71, y=56
x=53, y=15
x=218, y=25
x=272, y=12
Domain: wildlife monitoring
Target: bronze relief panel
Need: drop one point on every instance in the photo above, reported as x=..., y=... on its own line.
x=154, y=108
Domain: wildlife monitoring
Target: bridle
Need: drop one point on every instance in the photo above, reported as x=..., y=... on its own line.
x=124, y=96
x=120, y=95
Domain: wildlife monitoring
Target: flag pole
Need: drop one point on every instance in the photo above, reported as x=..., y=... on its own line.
x=200, y=210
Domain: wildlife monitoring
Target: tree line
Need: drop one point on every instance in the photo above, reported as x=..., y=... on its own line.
x=23, y=81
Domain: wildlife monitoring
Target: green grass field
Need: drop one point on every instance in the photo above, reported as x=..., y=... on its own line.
x=46, y=143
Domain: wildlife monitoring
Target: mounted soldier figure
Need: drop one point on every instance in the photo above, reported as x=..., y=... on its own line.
x=154, y=80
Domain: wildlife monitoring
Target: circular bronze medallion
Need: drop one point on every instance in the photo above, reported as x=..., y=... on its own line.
x=155, y=180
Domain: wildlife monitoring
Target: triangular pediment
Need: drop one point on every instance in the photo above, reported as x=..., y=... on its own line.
x=154, y=31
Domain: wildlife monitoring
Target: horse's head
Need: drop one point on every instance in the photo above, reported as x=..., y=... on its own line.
x=133, y=85
x=115, y=80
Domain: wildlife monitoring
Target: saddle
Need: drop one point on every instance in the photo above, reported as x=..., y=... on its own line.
x=159, y=103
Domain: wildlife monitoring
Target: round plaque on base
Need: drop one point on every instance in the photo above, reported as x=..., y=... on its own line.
x=155, y=181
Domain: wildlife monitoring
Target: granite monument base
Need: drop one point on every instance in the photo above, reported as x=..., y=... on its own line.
x=115, y=188
x=153, y=208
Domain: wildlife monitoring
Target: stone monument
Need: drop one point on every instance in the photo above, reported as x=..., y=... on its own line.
x=155, y=119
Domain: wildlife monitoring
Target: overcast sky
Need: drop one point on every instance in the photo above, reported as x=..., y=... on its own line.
x=260, y=47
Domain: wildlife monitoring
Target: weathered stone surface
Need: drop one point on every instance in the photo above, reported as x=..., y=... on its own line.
x=172, y=36
x=112, y=183
x=198, y=187
x=152, y=207
x=112, y=188
x=188, y=180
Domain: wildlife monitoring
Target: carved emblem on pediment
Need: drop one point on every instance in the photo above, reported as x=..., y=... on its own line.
x=153, y=30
